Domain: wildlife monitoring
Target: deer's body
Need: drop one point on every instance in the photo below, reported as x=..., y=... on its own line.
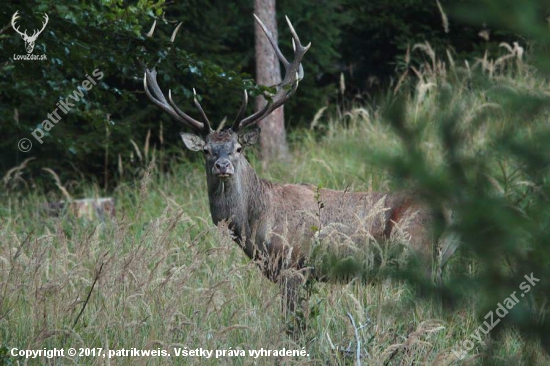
x=273, y=222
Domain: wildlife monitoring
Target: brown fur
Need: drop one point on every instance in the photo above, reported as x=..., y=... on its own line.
x=273, y=222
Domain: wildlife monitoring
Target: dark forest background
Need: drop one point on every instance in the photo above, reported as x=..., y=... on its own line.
x=359, y=49
x=449, y=98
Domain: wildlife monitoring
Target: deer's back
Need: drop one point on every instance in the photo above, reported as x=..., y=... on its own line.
x=301, y=210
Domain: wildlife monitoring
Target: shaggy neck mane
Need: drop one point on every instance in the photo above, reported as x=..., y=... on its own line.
x=239, y=200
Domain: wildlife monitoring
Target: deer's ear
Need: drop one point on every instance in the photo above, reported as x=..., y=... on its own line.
x=192, y=142
x=250, y=138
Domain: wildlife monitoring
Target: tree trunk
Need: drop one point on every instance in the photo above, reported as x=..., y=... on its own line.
x=273, y=142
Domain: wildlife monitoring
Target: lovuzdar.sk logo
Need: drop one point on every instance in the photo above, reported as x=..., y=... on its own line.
x=29, y=39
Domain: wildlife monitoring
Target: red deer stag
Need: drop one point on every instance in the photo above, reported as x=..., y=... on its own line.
x=272, y=222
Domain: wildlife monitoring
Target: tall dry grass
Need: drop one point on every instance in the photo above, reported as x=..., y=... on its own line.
x=160, y=275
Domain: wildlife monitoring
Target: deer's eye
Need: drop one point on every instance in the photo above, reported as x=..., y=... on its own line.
x=206, y=151
x=239, y=149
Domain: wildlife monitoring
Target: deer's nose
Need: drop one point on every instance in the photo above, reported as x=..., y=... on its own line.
x=223, y=168
x=223, y=165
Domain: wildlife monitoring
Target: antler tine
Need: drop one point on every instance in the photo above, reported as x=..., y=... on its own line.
x=272, y=40
x=255, y=117
x=153, y=91
x=241, y=113
x=201, y=111
x=299, y=52
x=294, y=72
x=46, y=18
x=36, y=32
x=13, y=20
x=181, y=114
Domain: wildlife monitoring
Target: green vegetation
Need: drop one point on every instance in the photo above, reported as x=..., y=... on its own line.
x=470, y=137
x=213, y=52
x=165, y=277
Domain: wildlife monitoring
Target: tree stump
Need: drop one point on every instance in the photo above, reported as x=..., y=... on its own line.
x=88, y=208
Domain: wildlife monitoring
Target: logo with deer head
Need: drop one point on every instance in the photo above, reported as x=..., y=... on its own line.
x=29, y=40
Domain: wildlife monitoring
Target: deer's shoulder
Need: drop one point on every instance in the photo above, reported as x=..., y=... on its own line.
x=294, y=192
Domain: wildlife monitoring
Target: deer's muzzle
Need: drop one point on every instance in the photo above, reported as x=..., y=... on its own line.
x=223, y=168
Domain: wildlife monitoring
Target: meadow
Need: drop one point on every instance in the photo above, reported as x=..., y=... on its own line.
x=160, y=275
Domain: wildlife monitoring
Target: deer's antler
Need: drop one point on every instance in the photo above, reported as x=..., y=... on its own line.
x=13, y=20
x=154, y=93
x=294, y=72
x=36, y=33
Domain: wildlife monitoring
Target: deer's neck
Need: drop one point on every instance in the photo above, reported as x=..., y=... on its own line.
x=242, y=201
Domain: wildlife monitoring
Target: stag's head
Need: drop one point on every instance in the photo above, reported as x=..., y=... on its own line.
x=29, y=40
x=223, y=149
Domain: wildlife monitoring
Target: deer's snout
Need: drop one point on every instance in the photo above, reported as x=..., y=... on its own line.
x=223, y=168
